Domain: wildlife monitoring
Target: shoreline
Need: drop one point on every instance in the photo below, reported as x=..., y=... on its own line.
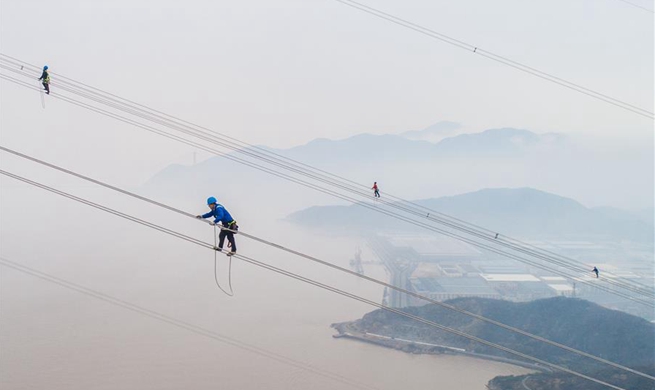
x=347, y=331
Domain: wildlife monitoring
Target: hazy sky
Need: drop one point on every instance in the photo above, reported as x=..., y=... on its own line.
x=278, y=73
x=284, y=72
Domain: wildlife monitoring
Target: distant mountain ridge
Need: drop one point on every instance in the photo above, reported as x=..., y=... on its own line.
x=499, y=142
x=363, y=157
x=368, y=146
x=434, y=133
x=364, y=147
x=520, y=211
x=460, y=163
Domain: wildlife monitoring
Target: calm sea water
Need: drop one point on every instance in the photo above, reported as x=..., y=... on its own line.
x=54, y=338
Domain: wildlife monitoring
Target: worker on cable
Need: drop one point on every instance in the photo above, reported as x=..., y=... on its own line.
x=221, y=215
x=376, y=191
x=595, y=270
x=45, y=76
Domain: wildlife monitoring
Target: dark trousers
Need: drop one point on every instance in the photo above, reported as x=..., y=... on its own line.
x=377, y=193
x=47, y=88
x=229, y=235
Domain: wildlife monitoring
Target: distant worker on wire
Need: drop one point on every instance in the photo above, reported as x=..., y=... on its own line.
x=229, y=225
x=45, y=79
x=595, y=270
x=376, y=190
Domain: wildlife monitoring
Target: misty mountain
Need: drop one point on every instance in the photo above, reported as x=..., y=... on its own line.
x=364, y=148
x=435, y=132
x=391, y=148
x=580, y=324
x=463, y=163
x=647, y=215
x=364, y=157
x=501, y=142
x=524, y=212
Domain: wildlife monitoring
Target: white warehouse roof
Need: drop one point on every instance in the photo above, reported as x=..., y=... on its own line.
x=510, y=278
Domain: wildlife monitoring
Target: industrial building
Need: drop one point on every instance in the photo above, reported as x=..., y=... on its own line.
x=442, y=268
x=443, y=288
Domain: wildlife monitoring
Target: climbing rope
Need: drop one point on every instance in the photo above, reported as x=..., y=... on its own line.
x=229, y=272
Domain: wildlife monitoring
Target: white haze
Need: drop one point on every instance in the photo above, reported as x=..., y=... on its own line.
x=278, y=74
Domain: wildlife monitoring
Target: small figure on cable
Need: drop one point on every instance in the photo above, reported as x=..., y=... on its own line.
x=221, y=215
x=595, y=270
x=376, y=191
x=45, y=79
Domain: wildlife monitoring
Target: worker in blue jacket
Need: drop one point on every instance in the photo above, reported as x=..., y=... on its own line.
x=221, y=215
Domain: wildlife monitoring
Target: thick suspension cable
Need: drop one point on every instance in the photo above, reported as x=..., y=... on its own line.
x=333, y=193
x=328, y=264
x=341, y=196
x=330, y=192
x=450, y=222
x=309, y=281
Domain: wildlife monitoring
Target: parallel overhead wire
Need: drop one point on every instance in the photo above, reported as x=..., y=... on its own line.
x=422, y=320
x=638, y=6
x=432, y=228
x=183, y=324
x=329, y=191
x=326, y=177
x=413, y=209
x=275, y=159
x=328, y=264
x=497, y=58
x=311, y=281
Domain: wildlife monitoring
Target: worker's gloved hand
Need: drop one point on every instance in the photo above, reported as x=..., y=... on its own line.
x=199, y=216
x=213, y=223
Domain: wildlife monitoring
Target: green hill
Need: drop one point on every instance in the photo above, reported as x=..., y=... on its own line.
x=609, y=334
x=563, y=381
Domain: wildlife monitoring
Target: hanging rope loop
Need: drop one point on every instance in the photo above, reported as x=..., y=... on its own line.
x=229, y=272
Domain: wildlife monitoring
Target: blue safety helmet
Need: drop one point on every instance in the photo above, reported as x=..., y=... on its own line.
x=211, y=200
x=45, y=67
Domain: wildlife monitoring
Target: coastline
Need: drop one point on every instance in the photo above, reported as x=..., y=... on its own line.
x=348, y=331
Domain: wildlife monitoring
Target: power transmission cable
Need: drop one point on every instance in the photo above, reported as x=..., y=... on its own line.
x=497, y=58
x=638, y=6
x=420, y=319
x=308, y=280
x=183, y=324
x=486, y=233
x=328, y=264
x=350, y=199
x=450, y=221
x=203, y=147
